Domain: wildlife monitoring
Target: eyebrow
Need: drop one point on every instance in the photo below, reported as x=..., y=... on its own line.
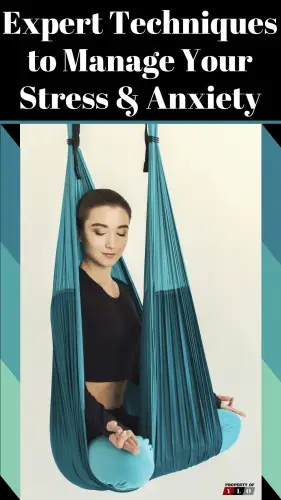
x=104, y=225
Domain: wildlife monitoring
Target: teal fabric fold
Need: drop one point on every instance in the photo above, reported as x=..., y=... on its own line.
x=177, y=408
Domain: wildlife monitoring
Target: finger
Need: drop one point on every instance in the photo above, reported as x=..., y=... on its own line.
x=234, y=410
x=131, y=440
x=132, y=449
x=113, y=426
x=119, y=443
x=132, y=443
x=125, y=441
x=121, y=438
x=118, y=440
x=133, y=437
x=237, y=411
x=135, y=441
x=130, y=435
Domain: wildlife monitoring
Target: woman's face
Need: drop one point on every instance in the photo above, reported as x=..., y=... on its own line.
x=105, y=234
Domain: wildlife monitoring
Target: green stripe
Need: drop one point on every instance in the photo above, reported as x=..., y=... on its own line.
x=271, y=311
x=271, y=428
x=10, y=429
x=10, y=311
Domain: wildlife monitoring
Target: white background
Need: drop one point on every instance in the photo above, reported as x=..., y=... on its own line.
x=213, y=174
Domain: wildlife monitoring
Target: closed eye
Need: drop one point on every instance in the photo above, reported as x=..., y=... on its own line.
x=119, y=234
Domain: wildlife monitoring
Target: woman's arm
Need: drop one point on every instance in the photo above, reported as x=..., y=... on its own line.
x=218, y=401
x=97, y=417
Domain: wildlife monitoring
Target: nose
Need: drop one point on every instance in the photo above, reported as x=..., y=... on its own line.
x=110, y=242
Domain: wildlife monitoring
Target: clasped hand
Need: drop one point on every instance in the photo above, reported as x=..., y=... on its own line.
x=123, y=439
x=227, y=404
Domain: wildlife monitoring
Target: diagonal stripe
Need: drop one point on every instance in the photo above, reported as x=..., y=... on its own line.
x=268, y=491
x=271, y=311
x=10, y=429
x=10, y=194
x=271, y=199
x=271, y=428
x=14, y=131
x=10, y=312
x=6, y=491
x=275, y=131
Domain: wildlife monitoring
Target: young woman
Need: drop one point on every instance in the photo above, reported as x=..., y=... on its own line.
x=111, y=337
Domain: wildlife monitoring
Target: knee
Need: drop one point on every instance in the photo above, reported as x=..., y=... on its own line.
x=233, y=422
x=231, y=427
x=119, y=468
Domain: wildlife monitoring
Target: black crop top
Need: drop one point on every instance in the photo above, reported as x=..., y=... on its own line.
x=111, y=331
x=111, y=344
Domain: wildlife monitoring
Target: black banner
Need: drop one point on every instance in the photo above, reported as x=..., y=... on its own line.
x=140, y=64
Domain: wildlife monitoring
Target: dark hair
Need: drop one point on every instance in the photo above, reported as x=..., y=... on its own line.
x=98, y=198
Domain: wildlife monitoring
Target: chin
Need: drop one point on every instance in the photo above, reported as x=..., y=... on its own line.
x=108, y=265
x=108, y=262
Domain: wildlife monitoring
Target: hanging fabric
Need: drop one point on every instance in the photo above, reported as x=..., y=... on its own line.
x=67, y=424
x=177, y=404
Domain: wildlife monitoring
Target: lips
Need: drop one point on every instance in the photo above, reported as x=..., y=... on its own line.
x=109, y=254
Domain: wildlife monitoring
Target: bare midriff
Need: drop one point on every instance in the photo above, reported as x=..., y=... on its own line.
x=109, y=394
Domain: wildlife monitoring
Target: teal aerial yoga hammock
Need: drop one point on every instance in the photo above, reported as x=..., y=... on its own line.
x=177, y=404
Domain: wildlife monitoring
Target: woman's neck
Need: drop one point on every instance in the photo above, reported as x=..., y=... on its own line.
x=102, y=275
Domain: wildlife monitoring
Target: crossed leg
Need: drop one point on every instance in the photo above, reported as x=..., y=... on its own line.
x=126, y=472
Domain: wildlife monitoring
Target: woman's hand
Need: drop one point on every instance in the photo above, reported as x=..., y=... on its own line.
x=122, y=439
x=229, y=406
